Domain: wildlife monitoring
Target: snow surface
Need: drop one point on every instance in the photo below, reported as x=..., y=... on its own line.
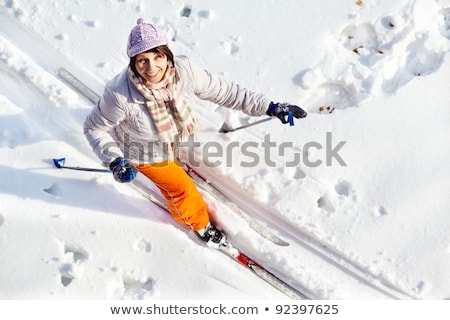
x=381, y=66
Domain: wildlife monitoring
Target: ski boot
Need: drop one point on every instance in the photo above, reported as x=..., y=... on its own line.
x=212, y=236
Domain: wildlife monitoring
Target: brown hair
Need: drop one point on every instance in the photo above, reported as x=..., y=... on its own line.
x=159, y=50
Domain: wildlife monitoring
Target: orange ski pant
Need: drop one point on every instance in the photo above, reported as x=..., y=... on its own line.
x=185, y=202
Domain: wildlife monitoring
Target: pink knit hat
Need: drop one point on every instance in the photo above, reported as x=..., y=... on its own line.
x=144, y=37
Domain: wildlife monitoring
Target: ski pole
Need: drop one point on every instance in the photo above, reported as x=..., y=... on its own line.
x=226, y=128
x=59, y=163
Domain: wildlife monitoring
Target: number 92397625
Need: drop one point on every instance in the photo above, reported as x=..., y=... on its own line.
x=307, y=309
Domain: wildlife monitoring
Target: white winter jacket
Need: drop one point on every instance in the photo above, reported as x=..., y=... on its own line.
x=120, y=124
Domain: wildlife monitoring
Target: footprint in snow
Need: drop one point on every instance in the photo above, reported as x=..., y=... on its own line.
x=78, y=254
x=327, y=203
x=419, y=61
x=73, y=257
x=2, y=219
x=421, y=287
x=343, y=188
x=330, y=200
x=137, y=289
x=231, y=44
x=445, y=28
x=66, y=274
x=361, y=39
x=92, y=24
x=143, y=246
x=54, y=190
x=380, y=211
x=186, y=11
x=205, y=14
x=299, y=174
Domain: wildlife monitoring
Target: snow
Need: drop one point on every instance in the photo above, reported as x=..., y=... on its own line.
x=380, y=199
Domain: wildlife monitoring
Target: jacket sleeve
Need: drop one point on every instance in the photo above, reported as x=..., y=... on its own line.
x=98, y=124
x=209, y=87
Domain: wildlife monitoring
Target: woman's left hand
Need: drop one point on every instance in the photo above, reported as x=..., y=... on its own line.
x=286, y=112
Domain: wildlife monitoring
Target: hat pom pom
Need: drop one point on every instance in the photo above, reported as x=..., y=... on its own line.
x=140, y=21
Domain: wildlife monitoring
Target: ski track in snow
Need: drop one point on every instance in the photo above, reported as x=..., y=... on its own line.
x=48, y=98
x=370, y=53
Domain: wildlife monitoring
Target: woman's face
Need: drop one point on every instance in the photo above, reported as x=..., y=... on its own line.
x=151, y=66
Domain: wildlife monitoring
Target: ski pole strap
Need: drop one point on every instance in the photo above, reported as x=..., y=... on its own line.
x=291, y=118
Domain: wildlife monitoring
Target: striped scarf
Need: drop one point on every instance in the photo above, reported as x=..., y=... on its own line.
x=171, y=113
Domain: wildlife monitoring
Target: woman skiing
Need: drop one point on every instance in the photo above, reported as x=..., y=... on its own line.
x=145, y=110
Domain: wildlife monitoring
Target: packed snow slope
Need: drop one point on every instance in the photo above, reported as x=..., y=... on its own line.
x=367, y=173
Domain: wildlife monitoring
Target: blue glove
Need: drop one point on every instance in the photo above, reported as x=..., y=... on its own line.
x=283, y=110
x=123, y=170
